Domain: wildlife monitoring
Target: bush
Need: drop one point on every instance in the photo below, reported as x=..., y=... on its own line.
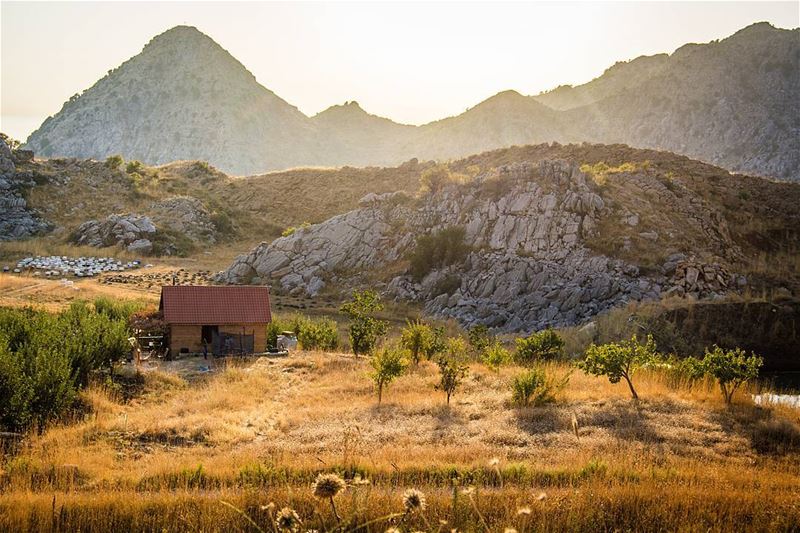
x=416, y=337
x=117, y=309
x=322, y=334
x=534, y=387
x=364, y=329
x=452, y=368
x=114, y=162
x=619, y=360
x=731, y=369
x=479, y=339
x=445, y=247
x=435, y=178
x=437, y=344
x=133, y=167
x=542, y=345
x=495, y=355
x=291, y=229
x=387, y=365
x=45, y=359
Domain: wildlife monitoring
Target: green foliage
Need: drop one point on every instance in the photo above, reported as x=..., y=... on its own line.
x=435, y=178
x=495, y=355
x=534, y=386
x=542, y=345
x=437, y=344
x=114, y=162
x=437, y=250
x=12, y=143
x=417, y=337
x=291, y=229
x=387, y=364
x=364, y=328
x=322, y=334
x=731, y=368
x=452, y=368
x=619, y=360
x=223, y=222
x=479, y=339
x=117, y=309
x=133, y=167
x=46, y=358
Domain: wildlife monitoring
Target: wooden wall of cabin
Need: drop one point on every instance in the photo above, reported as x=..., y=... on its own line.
x=190, y=336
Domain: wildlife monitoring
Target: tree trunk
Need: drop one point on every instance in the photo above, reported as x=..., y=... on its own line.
x=380, y=392
x=630, y=386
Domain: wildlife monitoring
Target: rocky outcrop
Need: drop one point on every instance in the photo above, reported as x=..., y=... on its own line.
x=127, y=230
x=529, y=266
x=187, y=216
x=17, y=220
x=702, y=280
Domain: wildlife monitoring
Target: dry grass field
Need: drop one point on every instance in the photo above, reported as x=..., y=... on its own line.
x=182, y=449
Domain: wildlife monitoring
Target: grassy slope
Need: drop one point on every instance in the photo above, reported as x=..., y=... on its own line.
x=262, y=430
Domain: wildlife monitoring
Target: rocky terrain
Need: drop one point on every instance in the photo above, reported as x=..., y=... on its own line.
x=551, y=241
x=733, y=103
x=17, y=220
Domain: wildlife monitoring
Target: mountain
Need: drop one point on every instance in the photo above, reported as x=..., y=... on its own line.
x=547, y=236
x=182, y=97
x=734, y=103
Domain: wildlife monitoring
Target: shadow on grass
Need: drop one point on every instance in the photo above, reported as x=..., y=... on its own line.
x=767, y=433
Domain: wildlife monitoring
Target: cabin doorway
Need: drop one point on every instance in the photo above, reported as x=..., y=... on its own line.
x=209, y=335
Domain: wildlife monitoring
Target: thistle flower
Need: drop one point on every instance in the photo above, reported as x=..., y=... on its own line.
x=494, y=462
x=269, y=507
x=414, y=500
x=328, y=485
x=287, y=520
x=524, y=511
x=541, y=496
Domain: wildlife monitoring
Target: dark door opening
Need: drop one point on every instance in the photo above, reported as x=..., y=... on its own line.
x=208, y=334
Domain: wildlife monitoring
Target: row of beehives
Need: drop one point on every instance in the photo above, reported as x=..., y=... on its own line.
x=81, y=267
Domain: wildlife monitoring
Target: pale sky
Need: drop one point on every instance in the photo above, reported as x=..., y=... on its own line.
x=411, y=62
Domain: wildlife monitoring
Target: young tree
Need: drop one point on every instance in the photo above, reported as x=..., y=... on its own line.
x=364, y=329
x=545, y=344
x=452, y=369
x=437, y=343
x=495, y=356
x=619, y=360
x=433, y=179
x=416, y=337
x=535, y=387
x=731, y=369
x=387, y=365
x=479, y=339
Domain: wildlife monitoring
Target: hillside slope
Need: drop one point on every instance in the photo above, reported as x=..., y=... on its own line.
x=550, y=235
x=733, y=103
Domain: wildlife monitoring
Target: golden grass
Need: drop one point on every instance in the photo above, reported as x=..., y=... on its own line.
x=259, y=431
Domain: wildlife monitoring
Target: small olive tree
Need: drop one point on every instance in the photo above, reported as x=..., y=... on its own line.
x=364, y=329
x=731, y=369
x=387, y=364
x=416, y=337
x=452, y=368
x=495, y=355
x=533, y=386
x=619, y=360
x=545, y=344
x=437, y=345
x=480, y=338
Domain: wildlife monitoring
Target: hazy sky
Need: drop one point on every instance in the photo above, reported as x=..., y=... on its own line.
x=412, y=62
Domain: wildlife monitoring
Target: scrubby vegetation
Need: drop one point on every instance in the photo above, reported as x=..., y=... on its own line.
x=440, y=249
x=46, y=359
x=365, y=330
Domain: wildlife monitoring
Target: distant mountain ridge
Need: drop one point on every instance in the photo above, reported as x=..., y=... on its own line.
x=734, y=103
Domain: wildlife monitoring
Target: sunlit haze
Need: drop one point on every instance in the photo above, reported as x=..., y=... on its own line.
x=412, y=63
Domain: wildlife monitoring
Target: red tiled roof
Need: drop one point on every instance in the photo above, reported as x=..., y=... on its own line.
x=188, y=304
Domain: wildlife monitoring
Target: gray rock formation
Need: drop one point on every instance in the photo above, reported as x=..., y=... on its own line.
x=122, y=229
x=187, y=216
x=17, y=221
x=529, y=268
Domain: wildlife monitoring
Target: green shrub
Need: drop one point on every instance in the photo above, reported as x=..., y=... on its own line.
x=133, y=167
x=534, y=387
x=291, y=229
x=437, y=250
x=437, y=344
x=117, y=309
x=452, y=368
x=223, y=222
x=416, y=337
x=387, y=365
x=322, y=334
x=479, y=339
x=495, y=355
x=542, y=345
x=731, y=368
x=114, y=162
x=364, y=329
x=619, y=360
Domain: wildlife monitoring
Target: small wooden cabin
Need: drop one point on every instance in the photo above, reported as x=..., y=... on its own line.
x=227, y=319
